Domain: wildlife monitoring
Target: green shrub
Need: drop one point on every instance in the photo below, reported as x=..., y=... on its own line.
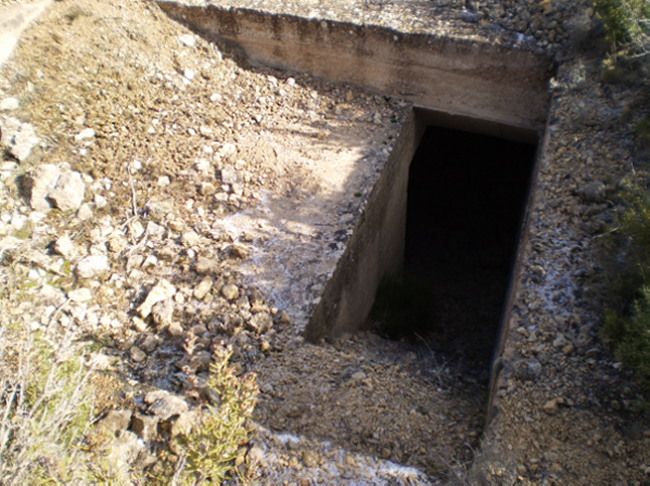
x=213, y=446
x=627, y=320
x=403, y=308
x=626, y=23
x=45, y=410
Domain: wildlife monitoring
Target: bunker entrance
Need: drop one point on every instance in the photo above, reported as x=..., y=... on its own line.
x=466, y=197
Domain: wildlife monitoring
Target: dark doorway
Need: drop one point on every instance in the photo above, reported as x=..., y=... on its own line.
x=466, y=196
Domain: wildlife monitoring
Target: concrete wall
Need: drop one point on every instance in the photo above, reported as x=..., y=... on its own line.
x=375, y=249
x=459, y=77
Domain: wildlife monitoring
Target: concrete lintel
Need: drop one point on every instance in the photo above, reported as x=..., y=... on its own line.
x=459, y=77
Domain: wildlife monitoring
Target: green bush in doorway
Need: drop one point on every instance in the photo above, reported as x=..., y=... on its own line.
x=403, y=308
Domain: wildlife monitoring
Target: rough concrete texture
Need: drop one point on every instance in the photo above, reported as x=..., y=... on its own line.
x=376, y=248
x=454, y=76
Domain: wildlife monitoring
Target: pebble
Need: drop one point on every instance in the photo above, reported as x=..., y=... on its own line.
x=9, y=104
x=24, y=141
x=137, y=354
x=552, y=406
x=202, y=289
x=230, y=292
x=39, y=183
x=164, y=405
x=80, y=295
x=85, y=134
x=64, y=246
x=187, y=40
x=310, y=458
x=69, y=191
x=161, y=291
x=92, y=266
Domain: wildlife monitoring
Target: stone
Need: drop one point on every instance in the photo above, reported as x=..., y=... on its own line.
x=162, y=313
x=175, y=329
x=149, y=344
x=229, y=175
x=164, y=405
x=206, y=265
x=92, y=266
x=39, y=183
x=593, y=191
x=187, y=40
x=64, y=246
x=85, y=212
x=237, y=251
x=24, y=140
x=100, y=201
x=261, y=322
x=528, y=369
x=255, y=455
x=123, y=452
x=85, y=134
x=137, y=354
x=184, y=424
x=202, y=289
x=115, y=421
x=161, y=291
x=190, y=238
x=144, y=425
x=9, y=104
x=358, y=376
x=69, y=192
x=284, y=317
x=116, y=243
x=80, y=295
x=230, y=292
x=310, y=458
x=552, y=406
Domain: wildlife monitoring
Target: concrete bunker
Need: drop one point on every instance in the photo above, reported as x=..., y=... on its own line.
x=466, y=196
x=459, y=83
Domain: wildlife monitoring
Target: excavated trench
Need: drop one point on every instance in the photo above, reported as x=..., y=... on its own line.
x=432, y=257
x=467, y=193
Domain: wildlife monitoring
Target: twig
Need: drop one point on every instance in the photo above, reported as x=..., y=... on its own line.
x=134, y=199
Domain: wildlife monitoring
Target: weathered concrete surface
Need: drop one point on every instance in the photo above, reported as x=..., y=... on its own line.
x=459, y=77
x=14, y=19
x=376, y=248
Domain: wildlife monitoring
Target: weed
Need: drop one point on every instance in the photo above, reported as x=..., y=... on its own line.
x=45, y=410
x=402, y=308
x=212, y=448
x=627, y=319
x=626, y=24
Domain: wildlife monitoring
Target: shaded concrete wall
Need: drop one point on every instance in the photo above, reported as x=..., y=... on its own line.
x=459, y=77
x=375, y=249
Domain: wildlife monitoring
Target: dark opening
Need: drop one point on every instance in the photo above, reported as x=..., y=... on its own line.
x=466, y=196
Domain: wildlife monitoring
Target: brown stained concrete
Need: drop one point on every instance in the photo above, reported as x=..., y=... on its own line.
x=458, y=77
x=376, y=248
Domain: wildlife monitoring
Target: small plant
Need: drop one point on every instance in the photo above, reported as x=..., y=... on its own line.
x=402, y=308
x=627, y=320
x=212, y=448
x=45, y=410
x=627, y=24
